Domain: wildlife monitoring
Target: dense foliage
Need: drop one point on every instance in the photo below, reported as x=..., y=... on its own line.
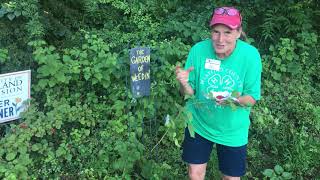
x=83, y=122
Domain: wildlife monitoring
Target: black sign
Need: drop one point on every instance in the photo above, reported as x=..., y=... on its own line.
x=140, y=71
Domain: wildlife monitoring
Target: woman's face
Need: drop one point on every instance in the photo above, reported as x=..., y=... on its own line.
x=224, y=39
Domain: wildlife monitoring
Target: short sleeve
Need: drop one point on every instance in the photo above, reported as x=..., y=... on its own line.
x=252, y=80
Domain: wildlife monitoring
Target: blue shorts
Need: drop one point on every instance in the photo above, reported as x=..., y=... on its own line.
x=232, y=160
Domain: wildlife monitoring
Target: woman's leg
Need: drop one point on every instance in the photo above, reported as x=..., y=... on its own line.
x=197, y=171
x=230, y=178
x=196, y=152
x=232, y=161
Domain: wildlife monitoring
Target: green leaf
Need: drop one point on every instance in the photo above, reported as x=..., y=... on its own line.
x=271, y=48
x=3, y=169
x=66, y=58
x=42, y=83
x=249, y=104
x=278, y=169
x=139, y=131
x=60, y=152
x=176, y=142
x=52, y=83
x=191, y=131
x=69, y=157
x=36, y=147
x=287, y=175
x=11, y=156
x=23, y=149
x=11, y=16
x=98, y=76
x=61, y=77
x=3, y=55
x=276, y=76
x=233, y=106
x=235, y=94
x=294, y=68
x=94, y=47
x=187, y=96
x=17, y=13
x=283, y=68
x=87, y=132
x=268, y=173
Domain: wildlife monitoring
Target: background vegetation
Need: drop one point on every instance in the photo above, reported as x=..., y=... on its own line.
x=83, y=122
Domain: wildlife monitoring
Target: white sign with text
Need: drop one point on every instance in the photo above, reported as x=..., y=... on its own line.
x=14, y=94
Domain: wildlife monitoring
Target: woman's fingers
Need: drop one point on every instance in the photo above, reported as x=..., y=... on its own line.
x=183, y=75
x=190, y=69
x=179, y=70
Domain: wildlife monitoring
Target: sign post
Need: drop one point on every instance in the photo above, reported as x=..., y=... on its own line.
x=14, y=93
x=140, y=71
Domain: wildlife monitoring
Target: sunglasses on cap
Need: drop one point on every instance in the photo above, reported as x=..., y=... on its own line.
x=228, y=11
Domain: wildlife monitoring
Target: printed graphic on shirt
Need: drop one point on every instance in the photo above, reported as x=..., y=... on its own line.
x=225, y=80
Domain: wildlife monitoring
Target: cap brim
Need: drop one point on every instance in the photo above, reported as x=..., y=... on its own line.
x=225, y=21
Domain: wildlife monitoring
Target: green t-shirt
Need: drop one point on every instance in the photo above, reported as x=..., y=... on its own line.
x=240, y=72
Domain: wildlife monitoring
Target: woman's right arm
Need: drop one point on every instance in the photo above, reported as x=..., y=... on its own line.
x=183, y=77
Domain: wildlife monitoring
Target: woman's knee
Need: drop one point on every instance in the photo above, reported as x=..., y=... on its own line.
x=197, y=171
x=230, y=178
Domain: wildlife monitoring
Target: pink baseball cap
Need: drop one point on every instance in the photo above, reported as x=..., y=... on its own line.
x=228, y=16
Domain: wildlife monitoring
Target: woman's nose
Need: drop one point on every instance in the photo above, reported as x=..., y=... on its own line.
x=220, y=38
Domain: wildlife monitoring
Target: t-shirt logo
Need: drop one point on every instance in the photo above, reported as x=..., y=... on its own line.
x=218, y=82
x=223, y=80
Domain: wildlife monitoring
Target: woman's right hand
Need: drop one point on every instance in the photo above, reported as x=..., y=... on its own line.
x=183, y=75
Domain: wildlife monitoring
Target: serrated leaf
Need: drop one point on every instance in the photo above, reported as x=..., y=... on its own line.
x=249, y=104
x=283, y=69
x=11, y=156
x=35, y=147
x=87, y=132
x=287, y=175
x=189, y=116
x=52, y=83
x=61, y=77
x=98, y=76
x=278, y=169
x=235, y=94
x=66, y=58
x=3, y=169
x=268, y=172
x=191, y=131
x=294, y=68
x=233, y=106
x=42, y=83
x=60, y=152
x=176, y=142
x=276, y=76
x=69, y=157
x=11, y=16
x=17, y=13
x=187, y=96
x=23, y=149
x=3, y=57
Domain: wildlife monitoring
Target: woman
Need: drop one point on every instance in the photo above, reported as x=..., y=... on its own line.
x=215, y=69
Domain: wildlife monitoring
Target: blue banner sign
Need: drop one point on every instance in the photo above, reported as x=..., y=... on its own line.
x=140, y=71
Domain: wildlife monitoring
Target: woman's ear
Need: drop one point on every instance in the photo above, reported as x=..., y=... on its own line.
x=239, y=32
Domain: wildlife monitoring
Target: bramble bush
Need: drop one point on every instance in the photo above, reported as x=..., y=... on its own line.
x=83, y=122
